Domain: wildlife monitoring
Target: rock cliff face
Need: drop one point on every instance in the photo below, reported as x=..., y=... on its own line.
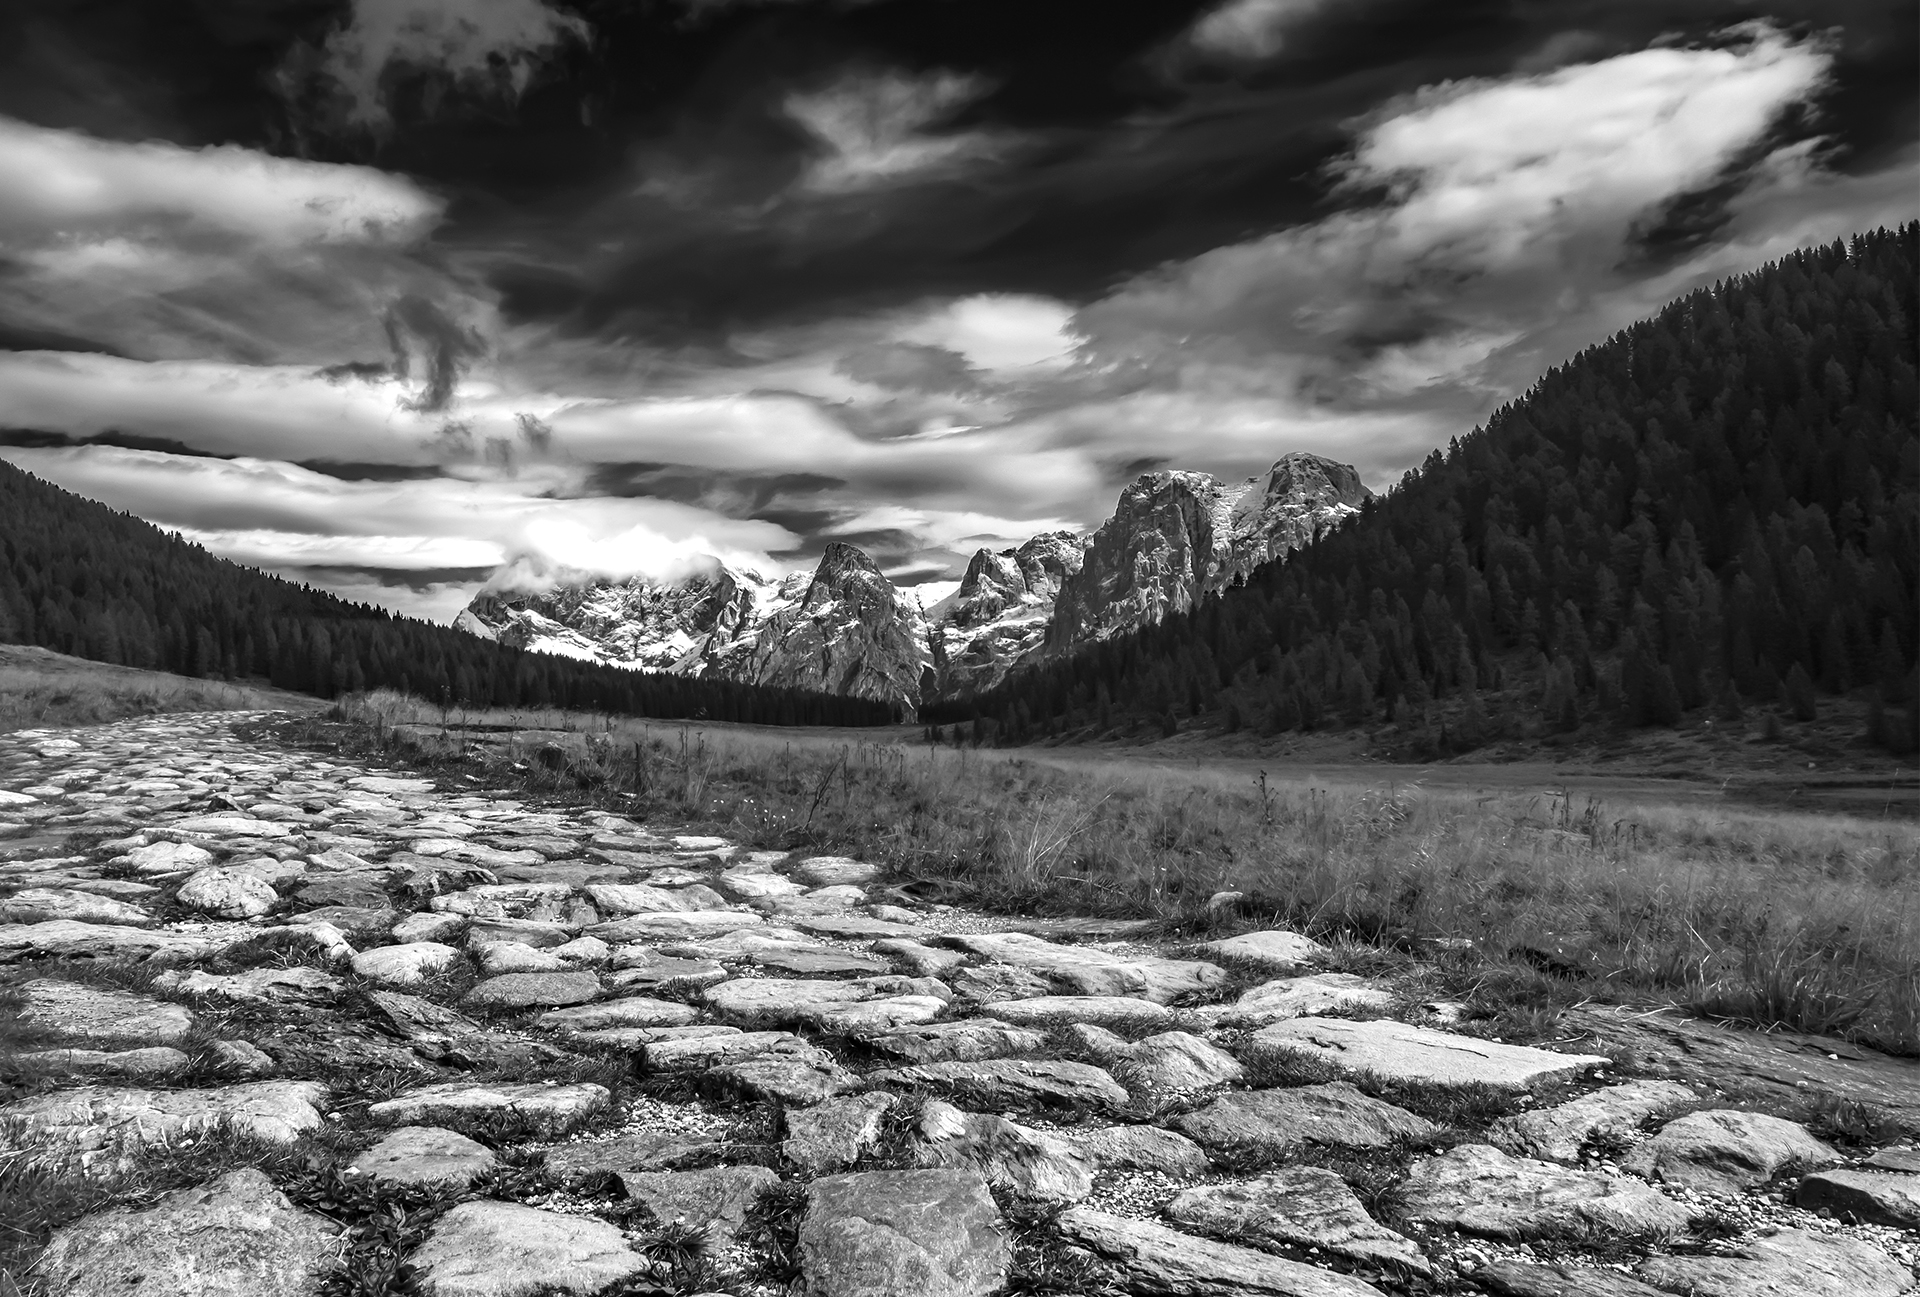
x=1177, y=536
x=845, y=629
x=851, y=634
x=842, y=629
x=1000, y=612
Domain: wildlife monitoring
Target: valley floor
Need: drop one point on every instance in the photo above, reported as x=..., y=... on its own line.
x=280, y=1017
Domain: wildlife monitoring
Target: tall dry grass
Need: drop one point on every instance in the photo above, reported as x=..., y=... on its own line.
x=1807, y=921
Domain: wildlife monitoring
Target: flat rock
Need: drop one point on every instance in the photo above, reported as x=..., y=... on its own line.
x=992, y=983
x=968, y=1040
x=89, y=1118
x=831, y=1136
x=534, y=990
x=1722, y=1151
x=236, y=1236
x=1143, y=1148
x=1008, y=1083
x=45, y=904
x=820, y=961
x=425, y=925
x=637, y=1038
x=528, y=932
x=1898, y=1158
x=1394, y=1051
x=1301, y=1206
x=160, y=858
x=409, y=964
x=1558, y=1134
x=1872, y=1197
x=418, y=1157
x=641, y=1151
x=362, y=888
x=415, y=1019
x=854, y=927
x=662, y=972
x=1785, y=1263
x=502, y=1249
x=753, y=885
x=621, y=899
x=633, y=1011
x=75, y=1014
x=1272, y=1123
x=296, y=984
x=1031, y=1164
x=714, y=1200
x=682, y=926
x=1080, y=971
x=554, y=1109
x=359, y=924
x=930, y=1233
x=1523, y=1279
x=835, y=871
x=150, y=1061
x=67, y=939
x=1480, y=1190
x=1173, y=1063
x=798, y=1075
x=698, y=1053
x=498, y=957
x=1784, y=1066
x=1122, y=1013
x=1300, y=997
x=776, y=1001
x=227, y=894
x=917, y=959
x=1276, y=950
x=1156, y=1259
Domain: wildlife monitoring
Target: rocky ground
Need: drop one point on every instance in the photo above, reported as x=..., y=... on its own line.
x=280, y=1023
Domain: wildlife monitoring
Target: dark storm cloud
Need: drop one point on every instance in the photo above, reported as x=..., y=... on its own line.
x=37, y=439
x=607, y=285
x=742, y=494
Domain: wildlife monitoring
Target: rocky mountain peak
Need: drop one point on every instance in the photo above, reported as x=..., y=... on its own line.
x=844, y=628
x=846, y=574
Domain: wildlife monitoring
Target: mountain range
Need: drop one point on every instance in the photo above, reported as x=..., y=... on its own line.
x=845, y=629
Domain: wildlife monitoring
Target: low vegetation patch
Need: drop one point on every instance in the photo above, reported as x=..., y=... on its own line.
x=42, y=689
x=1806, y=922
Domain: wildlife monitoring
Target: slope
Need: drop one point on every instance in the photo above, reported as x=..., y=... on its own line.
x=79, y=578
x=1716, y=507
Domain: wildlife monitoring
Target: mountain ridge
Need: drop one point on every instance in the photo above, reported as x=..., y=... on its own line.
x=1175, y=537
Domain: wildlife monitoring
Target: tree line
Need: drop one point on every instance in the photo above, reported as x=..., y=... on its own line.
x=80, y=578
x=1715, y=508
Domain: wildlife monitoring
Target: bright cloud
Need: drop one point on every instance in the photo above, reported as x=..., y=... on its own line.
x=1250, y=29
x=281, y=516
x=1000, y=331
x=1510, y=203
x=65, y=188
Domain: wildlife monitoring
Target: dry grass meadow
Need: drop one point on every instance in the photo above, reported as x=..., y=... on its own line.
x=1779, y=919
x=40, y=688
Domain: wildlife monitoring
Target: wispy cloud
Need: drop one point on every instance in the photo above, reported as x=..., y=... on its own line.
x=880, y=128
x=487, y=49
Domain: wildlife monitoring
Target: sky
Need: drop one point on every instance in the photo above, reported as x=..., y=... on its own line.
x=405, y=298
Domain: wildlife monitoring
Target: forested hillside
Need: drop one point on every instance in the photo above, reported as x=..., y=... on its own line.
x=78, y=578
x=1715, y=508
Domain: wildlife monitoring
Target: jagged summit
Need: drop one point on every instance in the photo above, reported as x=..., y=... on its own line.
x=844, y=628
x=1176, y=536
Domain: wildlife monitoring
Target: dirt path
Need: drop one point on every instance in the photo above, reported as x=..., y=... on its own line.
x=320, y=1020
